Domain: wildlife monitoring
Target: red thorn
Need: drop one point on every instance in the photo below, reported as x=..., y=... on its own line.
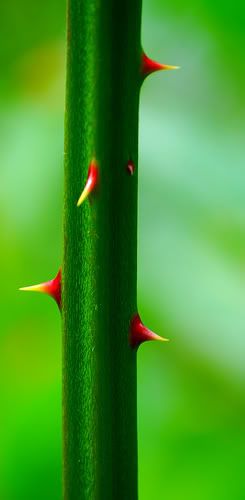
x=52, y=288
x=149, y=66
x=130, y=168
x=139, y=333
x=92, y=180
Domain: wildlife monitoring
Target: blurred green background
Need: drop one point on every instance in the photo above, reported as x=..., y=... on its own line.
x=191, y=277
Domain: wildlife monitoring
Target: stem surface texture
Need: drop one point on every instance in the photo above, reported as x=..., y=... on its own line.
x=100, y=250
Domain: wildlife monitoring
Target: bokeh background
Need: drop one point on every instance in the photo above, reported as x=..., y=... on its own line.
x=191, y=277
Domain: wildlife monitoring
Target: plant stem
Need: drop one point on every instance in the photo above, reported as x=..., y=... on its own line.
x=100, y=251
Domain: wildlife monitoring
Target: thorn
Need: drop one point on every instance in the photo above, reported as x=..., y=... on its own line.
x=139, y=333
x=52, y=288
x=91, y=182
x=149, y=66
x=130, y=168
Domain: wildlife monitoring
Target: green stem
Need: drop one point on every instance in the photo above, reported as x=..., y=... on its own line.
x=99, y=268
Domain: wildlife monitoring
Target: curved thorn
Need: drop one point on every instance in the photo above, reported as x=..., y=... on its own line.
x=91, y=182
x=52, y=288
x=139, y=333
x=149, y=66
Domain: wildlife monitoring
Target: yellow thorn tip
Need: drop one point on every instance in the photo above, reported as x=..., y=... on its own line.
x=83, y=196
x=33, y=288
x=167, y=66
x=161, y=338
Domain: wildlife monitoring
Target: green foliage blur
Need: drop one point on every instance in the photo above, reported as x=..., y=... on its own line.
x=191, y=273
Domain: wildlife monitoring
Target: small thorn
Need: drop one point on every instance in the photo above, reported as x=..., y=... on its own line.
x=139, y=333
x=52, y=288
x=130, y=168
x=149, y=66
x=91, y=182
